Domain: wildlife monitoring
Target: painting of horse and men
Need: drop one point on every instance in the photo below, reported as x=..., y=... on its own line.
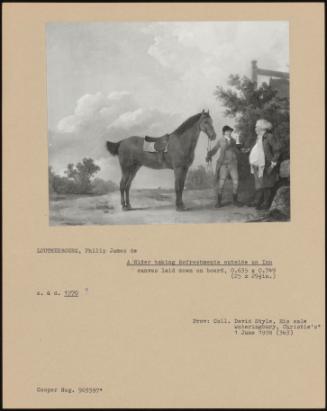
x=166, y=122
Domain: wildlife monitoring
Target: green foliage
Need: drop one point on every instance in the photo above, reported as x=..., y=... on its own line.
x=247, y=103
x=199, y=178
x=79, y=180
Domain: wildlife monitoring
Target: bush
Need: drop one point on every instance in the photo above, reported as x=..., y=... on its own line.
x=79, y=180
x=81, y=175
x=100, y=186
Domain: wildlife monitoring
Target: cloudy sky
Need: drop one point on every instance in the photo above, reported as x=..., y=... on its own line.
x=107, y=81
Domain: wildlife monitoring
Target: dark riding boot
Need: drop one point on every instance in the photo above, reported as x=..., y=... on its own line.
x=258, y=199
x=236, y=202
x=218, y=203
x=266, y=199
x=255, y=199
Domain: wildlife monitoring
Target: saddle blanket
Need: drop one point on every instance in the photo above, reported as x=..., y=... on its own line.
x=149, y=147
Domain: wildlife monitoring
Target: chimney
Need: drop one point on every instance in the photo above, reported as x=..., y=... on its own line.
x=254, y=71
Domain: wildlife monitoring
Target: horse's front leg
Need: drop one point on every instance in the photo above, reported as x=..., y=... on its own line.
x=180, y=175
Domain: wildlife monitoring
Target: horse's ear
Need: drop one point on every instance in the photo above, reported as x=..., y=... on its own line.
x=203, y=111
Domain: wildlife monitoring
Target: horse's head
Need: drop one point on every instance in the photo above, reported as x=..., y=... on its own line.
x=206, y=125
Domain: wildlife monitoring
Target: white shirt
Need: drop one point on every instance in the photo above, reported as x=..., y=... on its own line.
x=257, y=156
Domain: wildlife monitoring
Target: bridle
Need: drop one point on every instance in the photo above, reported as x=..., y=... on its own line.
x=209, y=163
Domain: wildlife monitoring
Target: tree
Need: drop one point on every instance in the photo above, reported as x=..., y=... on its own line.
x=100, y=186
x=78, y=180
x=246, y=103
x=82, y=174
x=58, y=184
x=51, y=176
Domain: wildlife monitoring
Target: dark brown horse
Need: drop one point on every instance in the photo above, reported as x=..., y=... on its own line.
x=178, y=156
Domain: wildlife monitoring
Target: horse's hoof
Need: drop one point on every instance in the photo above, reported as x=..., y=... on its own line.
x=126, y=207
x=181, y=208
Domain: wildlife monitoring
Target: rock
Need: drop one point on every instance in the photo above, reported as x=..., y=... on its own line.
x=280, y=206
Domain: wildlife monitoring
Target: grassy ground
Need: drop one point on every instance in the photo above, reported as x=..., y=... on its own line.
x=150, y=206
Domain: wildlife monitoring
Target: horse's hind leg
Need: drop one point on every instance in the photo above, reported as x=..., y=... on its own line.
x=131, y=176
x=180, y=175
x=123, y=182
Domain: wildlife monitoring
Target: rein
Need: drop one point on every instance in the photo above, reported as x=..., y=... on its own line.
x=209, y=163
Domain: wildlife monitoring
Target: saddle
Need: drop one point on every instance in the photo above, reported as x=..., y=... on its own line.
x=160, y=143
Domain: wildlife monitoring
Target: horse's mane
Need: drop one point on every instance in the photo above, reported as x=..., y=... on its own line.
x=187, y=124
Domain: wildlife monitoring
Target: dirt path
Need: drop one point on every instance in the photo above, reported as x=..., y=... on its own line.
x=150, y=207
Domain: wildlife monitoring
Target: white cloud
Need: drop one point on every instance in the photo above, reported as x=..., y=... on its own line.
x=69, y=124
x=97, y=109
x=128, y=119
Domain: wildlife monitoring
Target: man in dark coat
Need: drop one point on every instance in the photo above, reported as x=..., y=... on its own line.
x=227, y=164
x=263, y=160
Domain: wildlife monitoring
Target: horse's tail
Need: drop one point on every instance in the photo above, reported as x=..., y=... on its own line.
x=113, y=147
